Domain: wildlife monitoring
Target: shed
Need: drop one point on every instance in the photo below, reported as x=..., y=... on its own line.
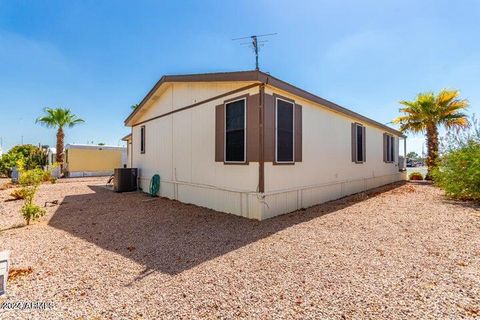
x=83, y=160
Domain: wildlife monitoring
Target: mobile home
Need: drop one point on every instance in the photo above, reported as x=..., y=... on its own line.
x=250, y=144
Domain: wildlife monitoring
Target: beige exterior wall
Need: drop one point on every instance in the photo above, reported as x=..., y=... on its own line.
x=181, y=149
x=327, y=171
x=91, y=161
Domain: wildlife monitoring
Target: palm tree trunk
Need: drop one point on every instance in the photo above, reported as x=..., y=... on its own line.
x=432, y=146
x=60, y=151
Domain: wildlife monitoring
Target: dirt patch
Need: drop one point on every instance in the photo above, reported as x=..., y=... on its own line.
x=15, y=273
x=397, y=252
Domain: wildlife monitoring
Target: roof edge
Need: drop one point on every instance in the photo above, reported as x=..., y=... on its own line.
x=249, y=75
x=283, y=85
x=265, y=78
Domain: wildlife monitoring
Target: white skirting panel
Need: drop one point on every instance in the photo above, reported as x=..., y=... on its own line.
x=79, y=174
x=287, y=201
x=245, y=204
x=263, y=206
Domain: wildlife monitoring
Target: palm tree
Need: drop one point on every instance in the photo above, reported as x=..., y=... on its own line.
x=427, y=113
x=59, y=118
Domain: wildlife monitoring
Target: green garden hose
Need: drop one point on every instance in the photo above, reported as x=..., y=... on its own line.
x=155, y=185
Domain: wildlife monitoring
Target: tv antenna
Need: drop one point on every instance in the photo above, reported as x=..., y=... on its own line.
x=255, y=44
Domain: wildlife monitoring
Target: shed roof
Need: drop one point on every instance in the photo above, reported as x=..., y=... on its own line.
x=265, y=78
x=93, y=147
x=127, y=137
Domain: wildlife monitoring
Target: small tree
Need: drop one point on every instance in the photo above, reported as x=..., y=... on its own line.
x=59, y=118
x=413, y=155
x=30, y=181
x=427, y=113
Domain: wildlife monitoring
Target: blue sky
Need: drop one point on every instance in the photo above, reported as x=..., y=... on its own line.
x=99, y=57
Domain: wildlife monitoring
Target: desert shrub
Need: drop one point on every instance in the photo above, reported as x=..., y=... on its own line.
x=31, y=156
x=457, y=139
x=415, y=176
x=18, y=194
x=47, y=175
x=458, y=172
x=32, y=177
x=53, y=180
x=30, y=180
x=6, y=185
x=31, y=211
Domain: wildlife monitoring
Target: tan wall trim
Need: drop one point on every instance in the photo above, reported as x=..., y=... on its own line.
x=253, y=85
x=261, y=138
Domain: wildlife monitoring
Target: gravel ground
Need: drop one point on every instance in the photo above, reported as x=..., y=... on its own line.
x=400, y=252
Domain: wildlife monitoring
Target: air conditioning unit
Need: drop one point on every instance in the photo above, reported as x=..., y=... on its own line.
x=3, y=271
x=125, y=179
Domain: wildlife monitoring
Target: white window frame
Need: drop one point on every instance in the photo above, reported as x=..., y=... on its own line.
x=244, y=130
x=391, y=150
x=143, y=139
x=276, y=130
x=364, y=131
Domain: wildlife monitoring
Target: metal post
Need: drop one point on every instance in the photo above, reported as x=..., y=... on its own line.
x=255, y=47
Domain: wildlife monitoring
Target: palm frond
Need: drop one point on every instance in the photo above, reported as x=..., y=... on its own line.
x=58, y=118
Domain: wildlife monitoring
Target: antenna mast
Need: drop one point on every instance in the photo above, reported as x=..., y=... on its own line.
x=254, y=44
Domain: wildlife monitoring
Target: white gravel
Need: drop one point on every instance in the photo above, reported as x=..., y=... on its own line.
x=402, y=252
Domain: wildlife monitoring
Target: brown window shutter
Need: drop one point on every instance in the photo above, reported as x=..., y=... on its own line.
x=298, y=133
x=385, y=137
x=354, y=143
x=364, y=143
x=253, y=127
x=269, y=128
x=219, y=133
x=394, y=147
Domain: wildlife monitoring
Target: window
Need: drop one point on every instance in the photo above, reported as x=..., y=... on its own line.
x=284, y=124
x=358, y=143
x=389, y=148
x=235, y=124
x=142, y=139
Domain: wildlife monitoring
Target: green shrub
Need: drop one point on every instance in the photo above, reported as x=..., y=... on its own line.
x=47, y=176
x=31, y=177
x=458, y=172
x=415, y=176
x=30, y=181
x=31, y=156
x=31, y=211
